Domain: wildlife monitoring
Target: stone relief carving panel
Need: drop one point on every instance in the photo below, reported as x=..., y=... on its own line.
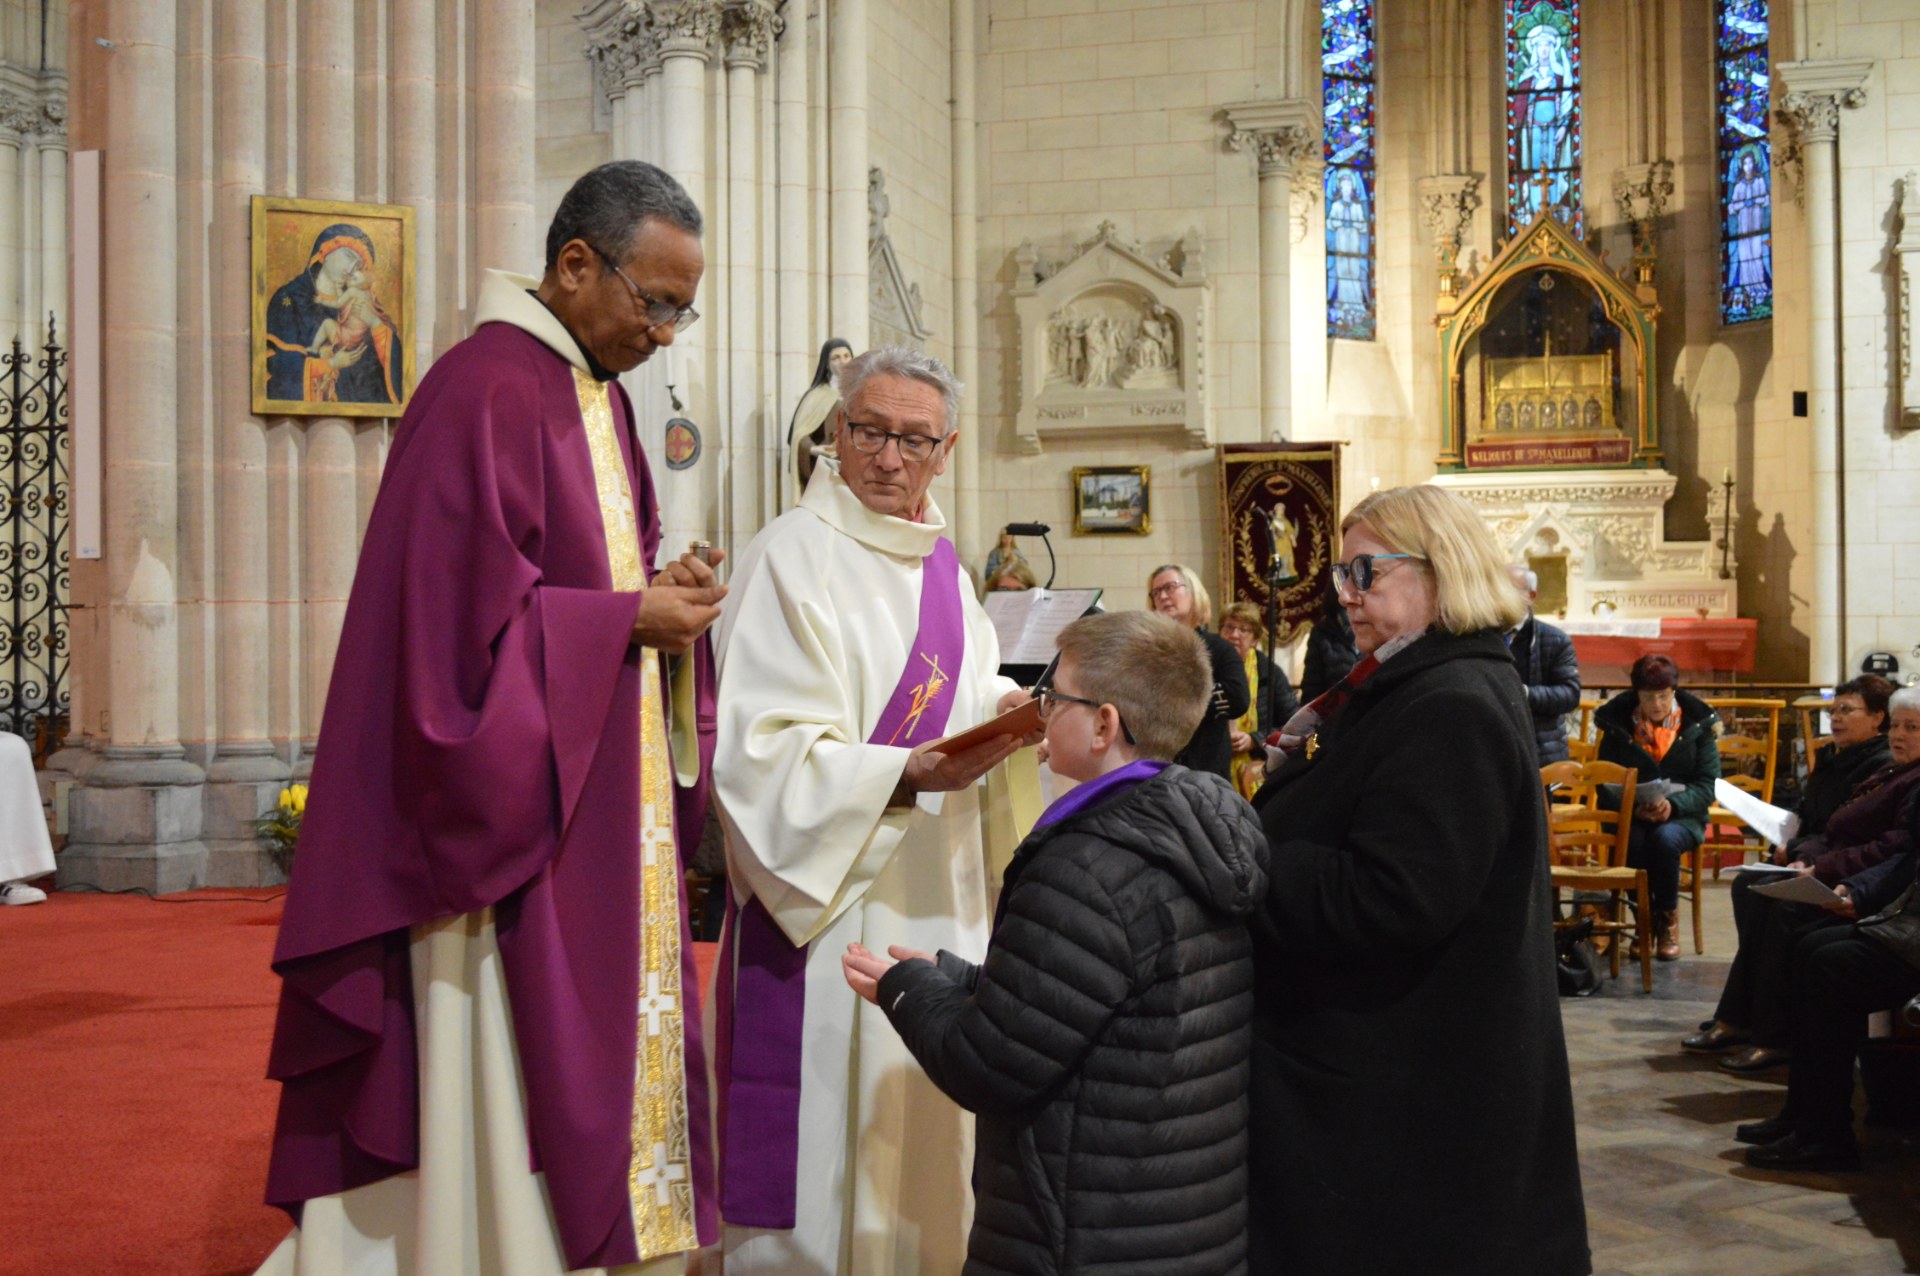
x=1111, y=337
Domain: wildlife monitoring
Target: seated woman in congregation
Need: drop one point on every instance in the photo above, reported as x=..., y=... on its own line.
x=1841, y=975
x=1411, y=1106
x=1663, y=733
x=1273, y=700
x=1834, y=845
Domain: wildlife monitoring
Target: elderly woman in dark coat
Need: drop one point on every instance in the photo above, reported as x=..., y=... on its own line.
x=1411, y=1106
x=1837, y=842
x=1663, y=733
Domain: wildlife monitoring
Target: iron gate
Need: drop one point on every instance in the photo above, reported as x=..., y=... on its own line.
x=35, y=698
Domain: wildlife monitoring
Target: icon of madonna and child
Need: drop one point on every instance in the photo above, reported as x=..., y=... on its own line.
x=332, y=342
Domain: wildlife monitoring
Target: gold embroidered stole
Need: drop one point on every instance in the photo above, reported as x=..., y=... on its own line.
x=660, y=1173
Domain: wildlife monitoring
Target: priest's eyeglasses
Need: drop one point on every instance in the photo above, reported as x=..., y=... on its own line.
x=1050, y=699
x=1358, y=573
x=871, y=440
x=660, y=314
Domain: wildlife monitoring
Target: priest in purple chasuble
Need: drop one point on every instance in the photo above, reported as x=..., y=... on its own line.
x=850, y=640
x=488, y=1038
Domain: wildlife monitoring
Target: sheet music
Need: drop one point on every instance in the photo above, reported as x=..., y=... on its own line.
x=1771, y=822
x=1028, y=620
x=1798, y=890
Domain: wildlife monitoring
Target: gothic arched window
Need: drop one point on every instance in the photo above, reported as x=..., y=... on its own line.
x=1543, y=111
x=1346, y=70
x=1745, y=161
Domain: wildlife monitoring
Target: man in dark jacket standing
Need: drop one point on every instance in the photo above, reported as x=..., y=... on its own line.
x=1544, y=656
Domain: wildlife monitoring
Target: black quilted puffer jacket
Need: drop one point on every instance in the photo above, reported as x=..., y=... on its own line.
x=1104, y=1042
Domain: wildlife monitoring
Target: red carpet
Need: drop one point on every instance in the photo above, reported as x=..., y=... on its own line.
x=133, y=1047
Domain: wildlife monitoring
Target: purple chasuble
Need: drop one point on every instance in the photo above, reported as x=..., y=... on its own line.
x=1081, y=796
x=760, y=1011
x=482, y=748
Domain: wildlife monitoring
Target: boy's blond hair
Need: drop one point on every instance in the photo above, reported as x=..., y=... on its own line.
x=1153, y=669
x=1454, y=551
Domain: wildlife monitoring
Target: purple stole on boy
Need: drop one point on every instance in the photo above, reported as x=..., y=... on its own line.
x=761, y=1002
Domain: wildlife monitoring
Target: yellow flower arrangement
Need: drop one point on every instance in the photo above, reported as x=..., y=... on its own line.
x=279, y=829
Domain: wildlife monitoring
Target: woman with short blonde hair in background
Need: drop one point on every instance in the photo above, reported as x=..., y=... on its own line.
x=1411, y=1106
x=1175, y=591
x=1273, y=700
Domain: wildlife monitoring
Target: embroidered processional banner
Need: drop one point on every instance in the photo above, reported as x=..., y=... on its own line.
x=1284, y=498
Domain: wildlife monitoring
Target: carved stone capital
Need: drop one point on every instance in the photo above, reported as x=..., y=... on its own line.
x=1279, y=134
x=686, y=28
x=1309, y=186
x=1447, y=204
x=19, y=115
x=747, y=30
x=1642, y=192
x=1816, y=93
x=621, y=45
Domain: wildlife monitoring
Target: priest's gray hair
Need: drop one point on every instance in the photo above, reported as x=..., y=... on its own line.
x=606, y=207
x=899, y=361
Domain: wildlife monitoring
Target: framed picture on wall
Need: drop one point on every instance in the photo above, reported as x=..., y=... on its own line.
x=1111, y=500
x=332, y=307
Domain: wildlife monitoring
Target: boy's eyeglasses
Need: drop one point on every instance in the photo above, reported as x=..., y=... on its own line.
x=1049, y=698
x=659, y=314
x=1359, y=573
x=871, y=440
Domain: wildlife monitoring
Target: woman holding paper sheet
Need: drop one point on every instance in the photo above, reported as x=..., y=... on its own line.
x=1867, y=830
x=1663, y=733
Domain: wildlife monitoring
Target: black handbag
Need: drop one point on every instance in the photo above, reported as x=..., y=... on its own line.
x=1577, y=965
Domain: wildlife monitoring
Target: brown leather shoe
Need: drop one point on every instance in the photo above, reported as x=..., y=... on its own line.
x=1666, y=936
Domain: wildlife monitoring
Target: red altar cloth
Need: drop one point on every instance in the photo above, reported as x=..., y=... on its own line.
x=1699, y=647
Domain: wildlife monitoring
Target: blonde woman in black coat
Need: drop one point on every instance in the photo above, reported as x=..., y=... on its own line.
x=1411, y=1107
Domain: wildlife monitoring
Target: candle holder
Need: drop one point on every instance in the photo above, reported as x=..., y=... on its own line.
x=1725, y=543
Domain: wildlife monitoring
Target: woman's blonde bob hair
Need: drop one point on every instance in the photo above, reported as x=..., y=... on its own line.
x=1199, y=601
x=1454, y=551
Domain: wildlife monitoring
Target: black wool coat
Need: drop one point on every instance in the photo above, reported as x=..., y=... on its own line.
x=1411, y=1104
x=1103, y=1043
x=1277, y=701
x=1832, y=783
x=1330, y=654
x=1544, y=656
x=1211, y=748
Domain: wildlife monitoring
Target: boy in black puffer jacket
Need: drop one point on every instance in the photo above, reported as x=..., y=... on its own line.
x=1104, y=1043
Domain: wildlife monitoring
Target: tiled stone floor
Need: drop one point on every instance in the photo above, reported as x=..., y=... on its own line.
x=1667, y=1191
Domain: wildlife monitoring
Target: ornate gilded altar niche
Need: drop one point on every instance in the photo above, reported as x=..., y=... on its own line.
x=1111, y=338
x=1546, y=358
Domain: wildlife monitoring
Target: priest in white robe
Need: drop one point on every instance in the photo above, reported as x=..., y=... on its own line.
x=849, y=641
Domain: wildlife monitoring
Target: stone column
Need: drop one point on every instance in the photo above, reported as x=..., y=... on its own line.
x=1641, y=193
x=687, y=30
x=748, y=36
x=33, y=317
x=969, y=537
x=137, y=819
x=12, y=238
x=1816, y=94
x=245, y=776
x=1447, y=205
x=53, y=216
x=847, y=168
x=415, y=160
x=329, y=504
x=505, y=236
x=793, y=223
x=1280, y=134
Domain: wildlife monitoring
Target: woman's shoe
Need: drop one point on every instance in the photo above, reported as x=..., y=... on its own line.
x=1756, y=1059
x=1771, y=1130
x=1666, y=936
x=1714, y=1039
x=1798, y=1152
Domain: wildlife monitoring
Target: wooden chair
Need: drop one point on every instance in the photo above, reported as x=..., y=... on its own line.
x=1810, y=708
x=1748, y=762
x=1583, y=750
x=1587, y=848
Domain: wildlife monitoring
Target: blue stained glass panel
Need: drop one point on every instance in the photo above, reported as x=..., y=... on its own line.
x=1543, y=111
x=1347, y=71
x=1745, y=161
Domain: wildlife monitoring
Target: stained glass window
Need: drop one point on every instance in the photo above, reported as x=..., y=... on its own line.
x=1346, y=69
x=1543, y=111
x=1746, y=162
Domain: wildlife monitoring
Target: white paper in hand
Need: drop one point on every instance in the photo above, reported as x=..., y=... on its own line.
x=1775, y=824
x=1804, y=889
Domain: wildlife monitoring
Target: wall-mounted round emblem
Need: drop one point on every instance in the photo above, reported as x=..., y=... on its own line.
x=683, y=443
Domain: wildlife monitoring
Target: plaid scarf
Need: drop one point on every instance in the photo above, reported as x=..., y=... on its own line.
x=1321, y=709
